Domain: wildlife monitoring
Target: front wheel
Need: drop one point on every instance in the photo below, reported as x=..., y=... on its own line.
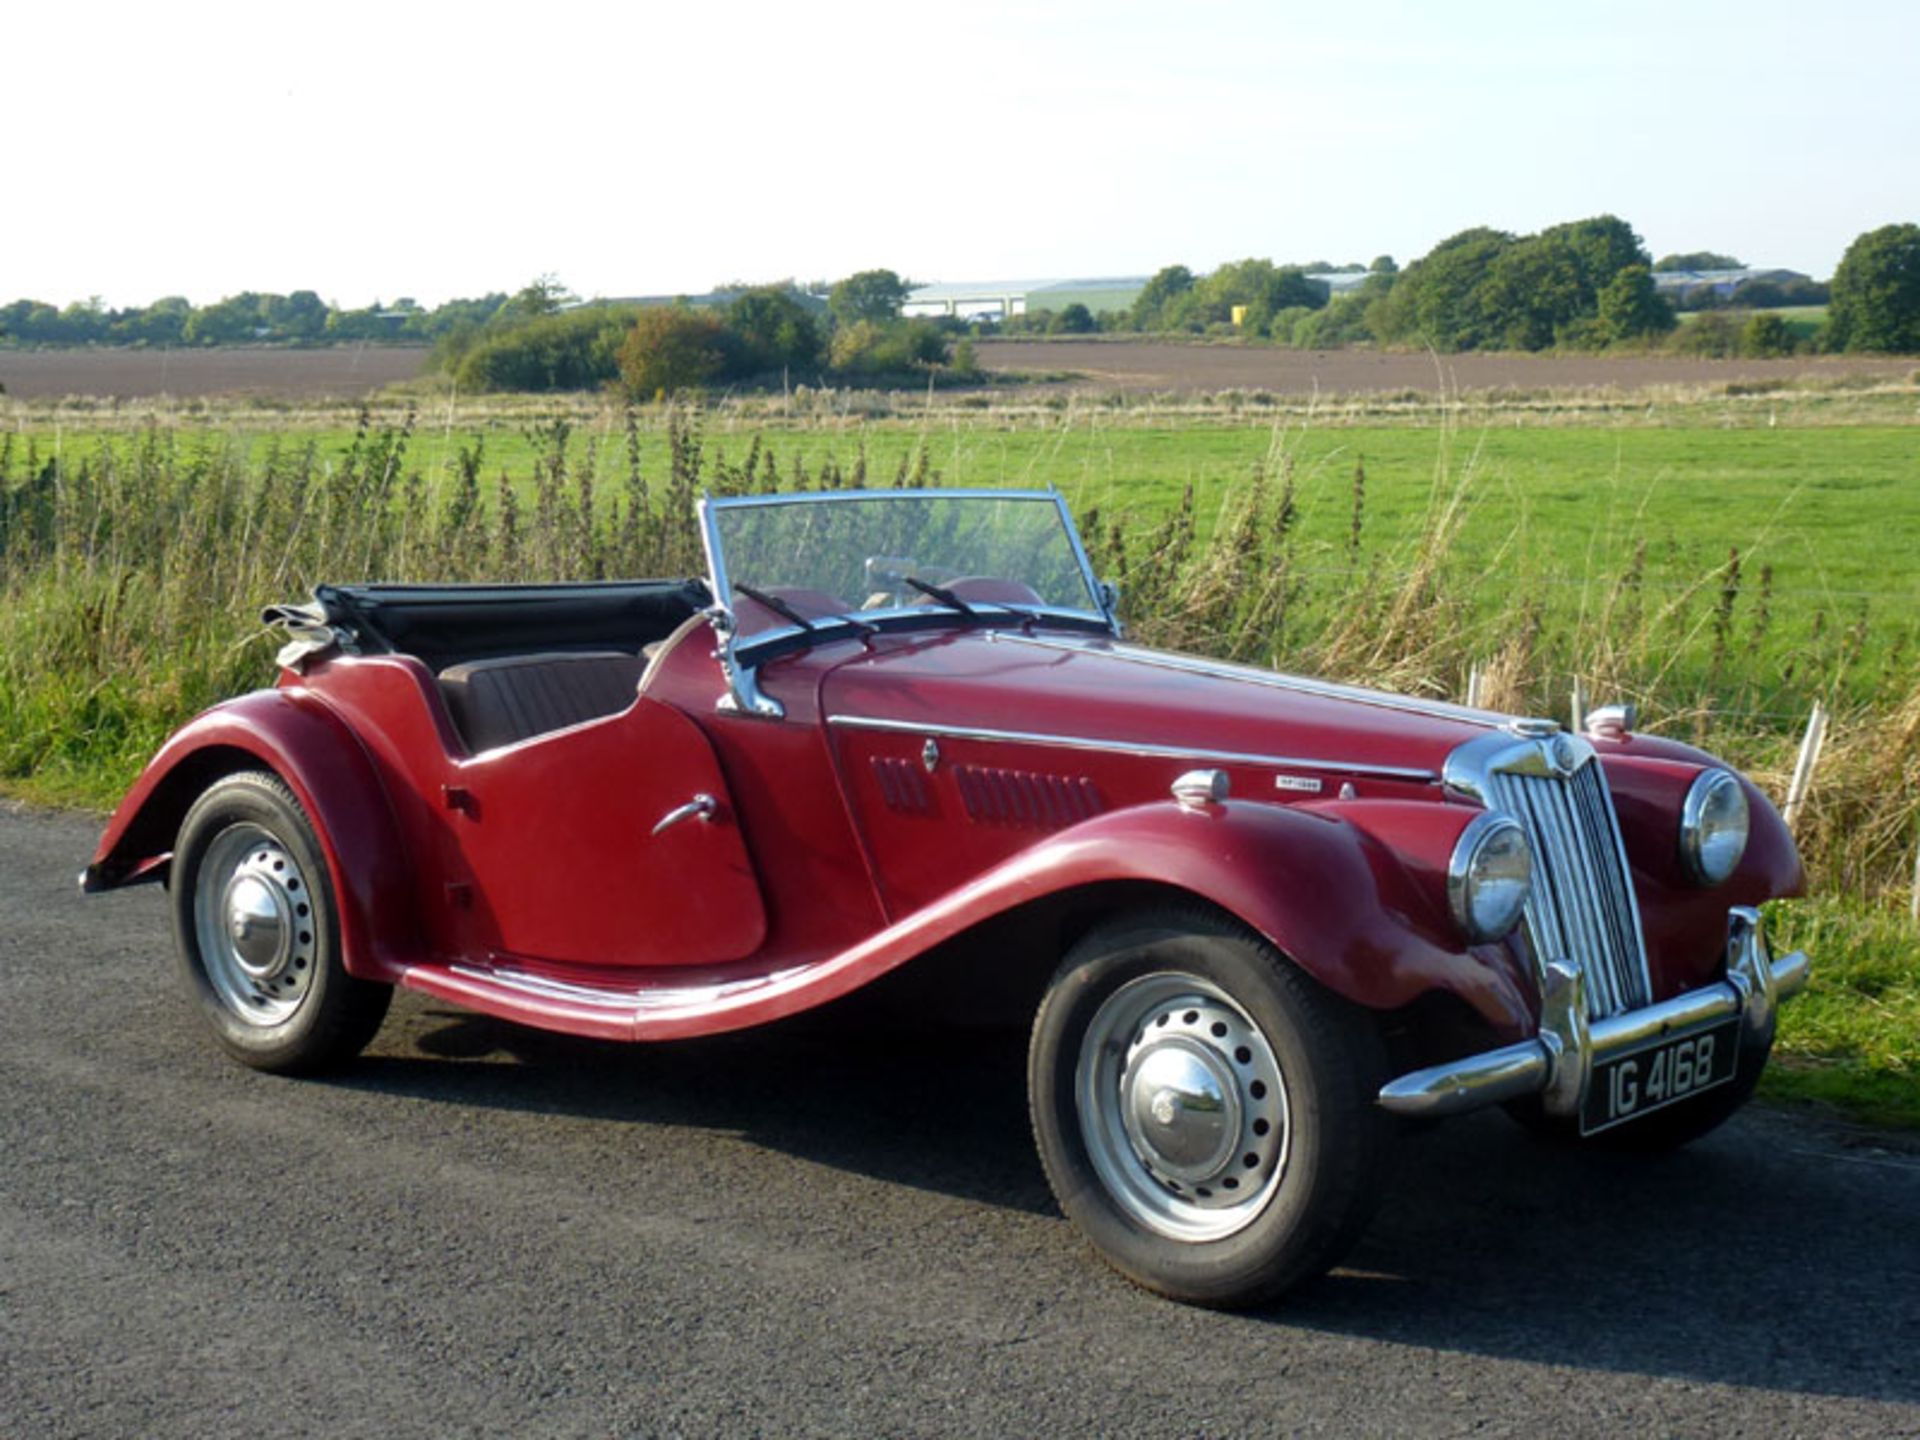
x=258, y=932
x=1204, y=1110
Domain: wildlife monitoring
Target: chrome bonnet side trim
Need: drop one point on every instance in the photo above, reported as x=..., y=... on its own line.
x=1270, y=679
x=1129, y=747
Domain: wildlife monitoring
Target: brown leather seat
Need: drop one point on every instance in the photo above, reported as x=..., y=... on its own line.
x=498, y=702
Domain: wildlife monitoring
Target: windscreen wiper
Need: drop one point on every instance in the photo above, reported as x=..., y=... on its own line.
x=775, y=604
x=941, y=593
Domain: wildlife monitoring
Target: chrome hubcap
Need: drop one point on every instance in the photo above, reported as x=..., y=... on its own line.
x=1181, y=1112
x=253, y=917
x=1183, y=1107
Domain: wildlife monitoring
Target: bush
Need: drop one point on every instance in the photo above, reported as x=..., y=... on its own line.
x=1343, y=322
x=1713, y=335
x=575, y=350
x=866, y=348
x=1766, y=336
x=670, y=349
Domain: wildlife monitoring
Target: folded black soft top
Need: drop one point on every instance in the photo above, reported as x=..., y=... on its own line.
x=444, y=625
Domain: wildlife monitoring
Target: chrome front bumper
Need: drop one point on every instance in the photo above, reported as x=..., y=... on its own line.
x=1556, y=1063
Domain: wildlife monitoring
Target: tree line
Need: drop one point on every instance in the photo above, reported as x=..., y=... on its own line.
x=1587, y=284
x=1584, y=285
x=249, y=318
x=783, y=333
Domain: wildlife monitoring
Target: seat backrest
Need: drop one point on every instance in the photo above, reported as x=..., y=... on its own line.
x=499, y=702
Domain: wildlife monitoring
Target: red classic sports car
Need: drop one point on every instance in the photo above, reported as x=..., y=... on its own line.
x=1258, y=919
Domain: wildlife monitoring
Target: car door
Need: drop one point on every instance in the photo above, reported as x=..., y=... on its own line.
x=611, y=843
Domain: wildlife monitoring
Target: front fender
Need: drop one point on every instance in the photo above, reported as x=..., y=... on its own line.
x=1353, y=892
x=307, y=745
x=1319, y=881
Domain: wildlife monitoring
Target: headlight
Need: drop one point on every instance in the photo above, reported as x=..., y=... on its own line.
x=1490, y=876
x=1713, y=827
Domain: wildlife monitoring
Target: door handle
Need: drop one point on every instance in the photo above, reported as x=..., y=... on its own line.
x=702, y=806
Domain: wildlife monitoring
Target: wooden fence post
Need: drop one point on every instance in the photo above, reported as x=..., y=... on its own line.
x=1579, y=720
x=1473, y=685
x=1803, y=767
x=1914, y=909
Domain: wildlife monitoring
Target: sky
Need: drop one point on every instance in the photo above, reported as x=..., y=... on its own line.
x=374, y=151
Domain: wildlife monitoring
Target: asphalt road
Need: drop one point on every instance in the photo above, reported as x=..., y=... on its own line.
x=480, y=1229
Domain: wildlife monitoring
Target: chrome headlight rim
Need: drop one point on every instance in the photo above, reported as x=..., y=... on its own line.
x=1708, y=786
x=1463, y=888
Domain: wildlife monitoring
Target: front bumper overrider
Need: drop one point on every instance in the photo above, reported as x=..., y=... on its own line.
x=1557, y=1062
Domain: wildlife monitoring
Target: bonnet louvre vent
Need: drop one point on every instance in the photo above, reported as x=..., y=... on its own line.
x=1021, y=797
x=902, y=786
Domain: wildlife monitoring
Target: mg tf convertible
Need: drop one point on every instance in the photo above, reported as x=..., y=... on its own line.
x=1256, y=921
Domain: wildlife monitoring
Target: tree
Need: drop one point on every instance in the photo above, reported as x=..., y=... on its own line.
x=874, y=295
x=1439, y=299
x=1074, y=319
x=775, y=330
x=671, y=348
x=1696, y=260
x=226, y=322
x=299, y=316
x=544, y=295
x=1152, y=307
x=1630, y=306
x=1533, y=291
x=1876, y=293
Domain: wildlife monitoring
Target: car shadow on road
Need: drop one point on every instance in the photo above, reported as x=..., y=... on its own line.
x=1768, y=1255
x=931, y=1107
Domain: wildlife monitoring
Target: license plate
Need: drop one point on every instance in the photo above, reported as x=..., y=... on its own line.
x=1625, y=1087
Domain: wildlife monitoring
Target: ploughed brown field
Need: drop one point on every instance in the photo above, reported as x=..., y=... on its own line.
x=344, y=372
x=1151, y=366
x=1140, y=366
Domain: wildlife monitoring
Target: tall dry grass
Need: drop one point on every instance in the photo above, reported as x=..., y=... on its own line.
x=131, y=577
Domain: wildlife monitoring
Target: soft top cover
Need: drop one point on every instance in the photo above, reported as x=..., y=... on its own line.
x=443, y=625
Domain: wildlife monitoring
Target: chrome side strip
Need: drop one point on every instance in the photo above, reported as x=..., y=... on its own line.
x=1130, y=747
x=628, y=1001
x=1271, y=679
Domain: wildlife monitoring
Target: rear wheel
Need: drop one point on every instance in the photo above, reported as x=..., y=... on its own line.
x=258, y=935
x=1204, y=1110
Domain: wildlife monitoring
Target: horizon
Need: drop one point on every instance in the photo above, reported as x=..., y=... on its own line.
x=386, y=155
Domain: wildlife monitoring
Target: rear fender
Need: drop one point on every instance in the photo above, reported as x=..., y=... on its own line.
x=292, y=734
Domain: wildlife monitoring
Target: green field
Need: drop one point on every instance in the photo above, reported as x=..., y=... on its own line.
x=1821, y=514
x=1538, y=544
x=1803, y=321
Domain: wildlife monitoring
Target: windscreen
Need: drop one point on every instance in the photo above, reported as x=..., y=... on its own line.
x=861, y=554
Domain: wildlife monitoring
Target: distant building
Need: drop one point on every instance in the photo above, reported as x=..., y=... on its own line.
x=1340, y=282
x=1678, y=285
x=1002, y=299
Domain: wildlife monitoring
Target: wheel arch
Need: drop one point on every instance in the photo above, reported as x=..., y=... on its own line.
x=310, y=750
x=1345, y=893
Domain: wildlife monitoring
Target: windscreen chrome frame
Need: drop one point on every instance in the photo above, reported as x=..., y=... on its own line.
x=738, y=657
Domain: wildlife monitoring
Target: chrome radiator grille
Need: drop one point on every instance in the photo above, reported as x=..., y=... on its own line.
x=1582, y=906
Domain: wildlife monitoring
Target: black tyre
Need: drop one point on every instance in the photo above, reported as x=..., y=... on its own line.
x=1204, y=1110
x=258, y=933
